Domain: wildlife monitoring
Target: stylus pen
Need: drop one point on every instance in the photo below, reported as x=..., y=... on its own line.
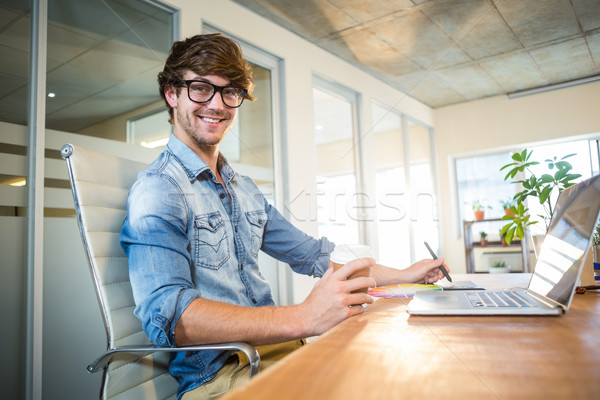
x=435, y=258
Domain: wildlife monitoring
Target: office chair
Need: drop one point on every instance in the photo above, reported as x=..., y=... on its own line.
x=133, y=367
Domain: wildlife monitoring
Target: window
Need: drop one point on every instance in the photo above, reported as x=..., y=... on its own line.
x=338, y=201
x=407, y=209
x=150, y=130
x=480, y=178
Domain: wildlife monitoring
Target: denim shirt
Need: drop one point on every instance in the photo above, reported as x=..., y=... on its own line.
x=185, y=238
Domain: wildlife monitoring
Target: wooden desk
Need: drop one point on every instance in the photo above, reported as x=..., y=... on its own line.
x=387, y=354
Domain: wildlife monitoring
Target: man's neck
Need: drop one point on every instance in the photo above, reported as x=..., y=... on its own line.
x=208, y=154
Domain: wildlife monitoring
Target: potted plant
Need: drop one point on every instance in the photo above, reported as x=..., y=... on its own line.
x=483, y=238
x=559, y=178
x=507, y=204
x=503, y=239
x=479, y=210
x=499, y=267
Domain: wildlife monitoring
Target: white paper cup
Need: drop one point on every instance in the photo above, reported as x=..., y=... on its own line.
x=344, y=253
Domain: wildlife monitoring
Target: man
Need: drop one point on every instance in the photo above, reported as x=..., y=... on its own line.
x=195, y=227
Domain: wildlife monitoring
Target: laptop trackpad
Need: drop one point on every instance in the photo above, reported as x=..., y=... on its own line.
x=440, y=300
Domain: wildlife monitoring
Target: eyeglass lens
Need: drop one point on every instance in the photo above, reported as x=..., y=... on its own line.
x=202, y=92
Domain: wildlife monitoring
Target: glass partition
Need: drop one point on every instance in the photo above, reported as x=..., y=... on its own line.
x=103, y=58
x=15, y=39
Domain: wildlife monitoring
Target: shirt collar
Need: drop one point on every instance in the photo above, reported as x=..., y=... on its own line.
x=194, y=165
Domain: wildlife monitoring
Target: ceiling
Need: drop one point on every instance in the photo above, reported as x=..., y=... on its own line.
x=103, y=56
x=444, y=52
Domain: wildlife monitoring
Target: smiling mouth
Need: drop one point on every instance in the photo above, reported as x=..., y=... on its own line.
x=211, y=120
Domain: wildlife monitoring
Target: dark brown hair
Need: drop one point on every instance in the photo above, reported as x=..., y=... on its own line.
x=211, y=54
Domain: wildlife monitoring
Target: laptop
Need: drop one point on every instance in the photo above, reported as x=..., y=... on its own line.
x=556, y=273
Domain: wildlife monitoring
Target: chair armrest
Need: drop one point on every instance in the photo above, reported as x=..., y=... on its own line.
x=101, y=362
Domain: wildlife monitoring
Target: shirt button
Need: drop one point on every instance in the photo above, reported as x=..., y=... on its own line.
x=254, y=301
x=236, y=229
x=222, y=195
x=242, y=267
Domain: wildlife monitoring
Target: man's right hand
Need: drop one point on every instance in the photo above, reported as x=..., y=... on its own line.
x=331, y=301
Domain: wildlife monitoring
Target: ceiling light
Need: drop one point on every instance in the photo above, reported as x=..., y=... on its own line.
x=555, y=86
x=51, y=95
x=20, y=182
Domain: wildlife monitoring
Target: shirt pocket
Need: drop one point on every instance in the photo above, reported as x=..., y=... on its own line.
x=212, y=246
x=257, y=220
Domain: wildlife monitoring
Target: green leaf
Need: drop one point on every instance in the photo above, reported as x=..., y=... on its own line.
x=571, y=177
x=546, y=178
x=564, y=165
x=510, y=234
x=560, y=174
x=520, y=232
x=507, y=166
x=545, y=194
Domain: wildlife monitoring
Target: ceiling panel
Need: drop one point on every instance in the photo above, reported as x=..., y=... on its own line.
x=552, y=62
x=514, y=71
x=444, y=52
x=488, y=36
x=538, y=22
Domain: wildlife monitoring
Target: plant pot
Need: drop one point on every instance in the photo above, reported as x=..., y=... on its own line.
x=504, y=270
x=508, y=212
x=503, y=241
x=479, y=214
x=483, y=242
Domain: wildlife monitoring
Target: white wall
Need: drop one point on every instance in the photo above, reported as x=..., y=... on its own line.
x=502, y=123
x=301, y=60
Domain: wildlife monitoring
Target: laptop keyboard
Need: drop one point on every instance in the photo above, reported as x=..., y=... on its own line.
x=489, y=298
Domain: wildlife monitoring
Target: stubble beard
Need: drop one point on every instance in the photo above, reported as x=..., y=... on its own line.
x=189, y=126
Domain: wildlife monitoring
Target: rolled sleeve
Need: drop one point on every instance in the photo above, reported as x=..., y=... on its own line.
x=155, y=242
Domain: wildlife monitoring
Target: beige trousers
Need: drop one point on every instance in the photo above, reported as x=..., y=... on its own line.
x=236, y=370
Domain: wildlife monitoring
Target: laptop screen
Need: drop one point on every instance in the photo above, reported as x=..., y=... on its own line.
x=571, y=227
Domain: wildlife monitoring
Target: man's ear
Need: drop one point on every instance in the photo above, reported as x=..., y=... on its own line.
x=171, y=96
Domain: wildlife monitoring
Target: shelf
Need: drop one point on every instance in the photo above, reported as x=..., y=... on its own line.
x=494, y=246
x=514, y=243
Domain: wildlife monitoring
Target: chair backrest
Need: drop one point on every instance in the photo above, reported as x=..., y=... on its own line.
x=100, y=184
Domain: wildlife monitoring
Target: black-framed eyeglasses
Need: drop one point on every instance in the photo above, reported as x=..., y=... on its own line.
x=203, y=92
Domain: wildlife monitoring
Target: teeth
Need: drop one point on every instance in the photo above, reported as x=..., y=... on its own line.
x=212, y=120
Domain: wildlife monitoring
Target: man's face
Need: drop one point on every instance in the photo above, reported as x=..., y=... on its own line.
x=201, y=125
